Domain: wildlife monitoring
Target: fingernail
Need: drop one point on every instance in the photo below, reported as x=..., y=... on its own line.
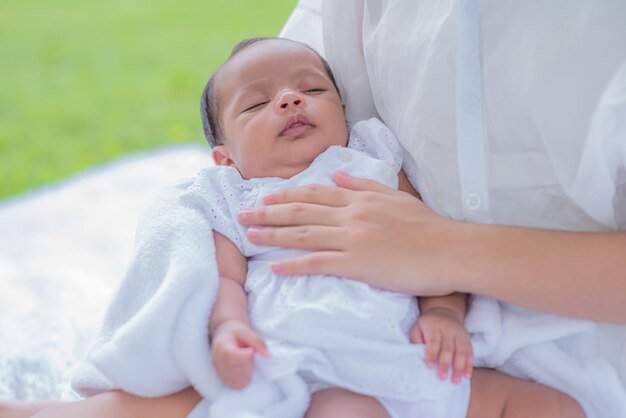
x=456, y=380
x=253, y=233
x=244, y=216
x=277, y=268
x=268, y=199
x=342, y=173
x=429, y=364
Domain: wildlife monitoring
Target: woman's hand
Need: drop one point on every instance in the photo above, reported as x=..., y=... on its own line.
x=362, y=230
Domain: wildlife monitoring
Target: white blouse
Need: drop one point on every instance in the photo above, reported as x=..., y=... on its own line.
x=514, y=112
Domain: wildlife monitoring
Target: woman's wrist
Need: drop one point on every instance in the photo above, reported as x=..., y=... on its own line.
x=483, y=256
x=468, y=255
x=460, y=258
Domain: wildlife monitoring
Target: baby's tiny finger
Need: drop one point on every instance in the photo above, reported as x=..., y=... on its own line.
x=433, y=347
x=469, y=358
x=416, y=336
x=460, y=360
x=445, y=359
x=261, y=348
x=469, y=366
x=234, y=356
x=253, y=340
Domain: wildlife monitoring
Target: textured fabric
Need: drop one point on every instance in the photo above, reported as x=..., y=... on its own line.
x=304, y=25
x=324, y=331
x=554, y=103
x=553, y=350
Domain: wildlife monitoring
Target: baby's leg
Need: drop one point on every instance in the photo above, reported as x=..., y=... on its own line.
x=113, y=404
x=341, y=403
x=497, y=395
x=24, y=409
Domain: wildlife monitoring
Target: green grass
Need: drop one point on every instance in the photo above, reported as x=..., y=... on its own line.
x=83, y=82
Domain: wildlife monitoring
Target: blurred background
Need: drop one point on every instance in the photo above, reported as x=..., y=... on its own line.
x=84, y=82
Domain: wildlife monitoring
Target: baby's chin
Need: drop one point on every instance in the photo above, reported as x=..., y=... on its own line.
x=283, y=172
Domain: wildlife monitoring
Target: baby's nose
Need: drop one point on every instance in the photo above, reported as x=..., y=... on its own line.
x=290, y=99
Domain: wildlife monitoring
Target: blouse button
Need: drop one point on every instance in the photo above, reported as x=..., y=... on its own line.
x=469, y=103
x=345, y=156
x=473, y=201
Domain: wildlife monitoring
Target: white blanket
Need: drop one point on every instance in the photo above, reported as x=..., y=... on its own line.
x=63, y=249
x=553, y=350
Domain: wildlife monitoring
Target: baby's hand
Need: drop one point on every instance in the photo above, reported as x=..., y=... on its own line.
x=233, y=347
x=447, y=342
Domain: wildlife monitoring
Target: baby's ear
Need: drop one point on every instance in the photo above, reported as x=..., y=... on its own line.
x=221, y=156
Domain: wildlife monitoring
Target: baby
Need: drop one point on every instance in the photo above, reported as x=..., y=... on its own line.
x=274, y=118
x=319, y=346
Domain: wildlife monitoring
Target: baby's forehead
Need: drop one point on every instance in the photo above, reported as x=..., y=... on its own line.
x=267, y=58
x=271, y=48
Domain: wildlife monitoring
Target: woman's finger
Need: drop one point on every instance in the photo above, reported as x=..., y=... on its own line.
x=346, y=181
x=312, y=193
x=319, y=262
x=313, y=238
x=289, y=214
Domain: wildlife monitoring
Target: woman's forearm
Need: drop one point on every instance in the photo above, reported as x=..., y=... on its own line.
x=571, y=273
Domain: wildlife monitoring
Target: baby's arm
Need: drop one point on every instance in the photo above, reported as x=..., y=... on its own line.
x=404, y=185
x=441, y=327
x=233, y=341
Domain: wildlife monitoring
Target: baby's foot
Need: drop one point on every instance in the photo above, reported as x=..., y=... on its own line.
x=24, y=409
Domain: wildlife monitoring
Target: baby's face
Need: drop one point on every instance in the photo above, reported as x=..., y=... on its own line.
x=278, y=109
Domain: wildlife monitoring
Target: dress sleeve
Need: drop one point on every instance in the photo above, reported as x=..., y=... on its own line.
x=375, y=139
x=219, y=193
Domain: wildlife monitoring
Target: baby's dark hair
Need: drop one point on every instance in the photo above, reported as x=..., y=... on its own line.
x=209, y=108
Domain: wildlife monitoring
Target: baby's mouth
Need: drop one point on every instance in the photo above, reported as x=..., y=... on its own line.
x=296, y=125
